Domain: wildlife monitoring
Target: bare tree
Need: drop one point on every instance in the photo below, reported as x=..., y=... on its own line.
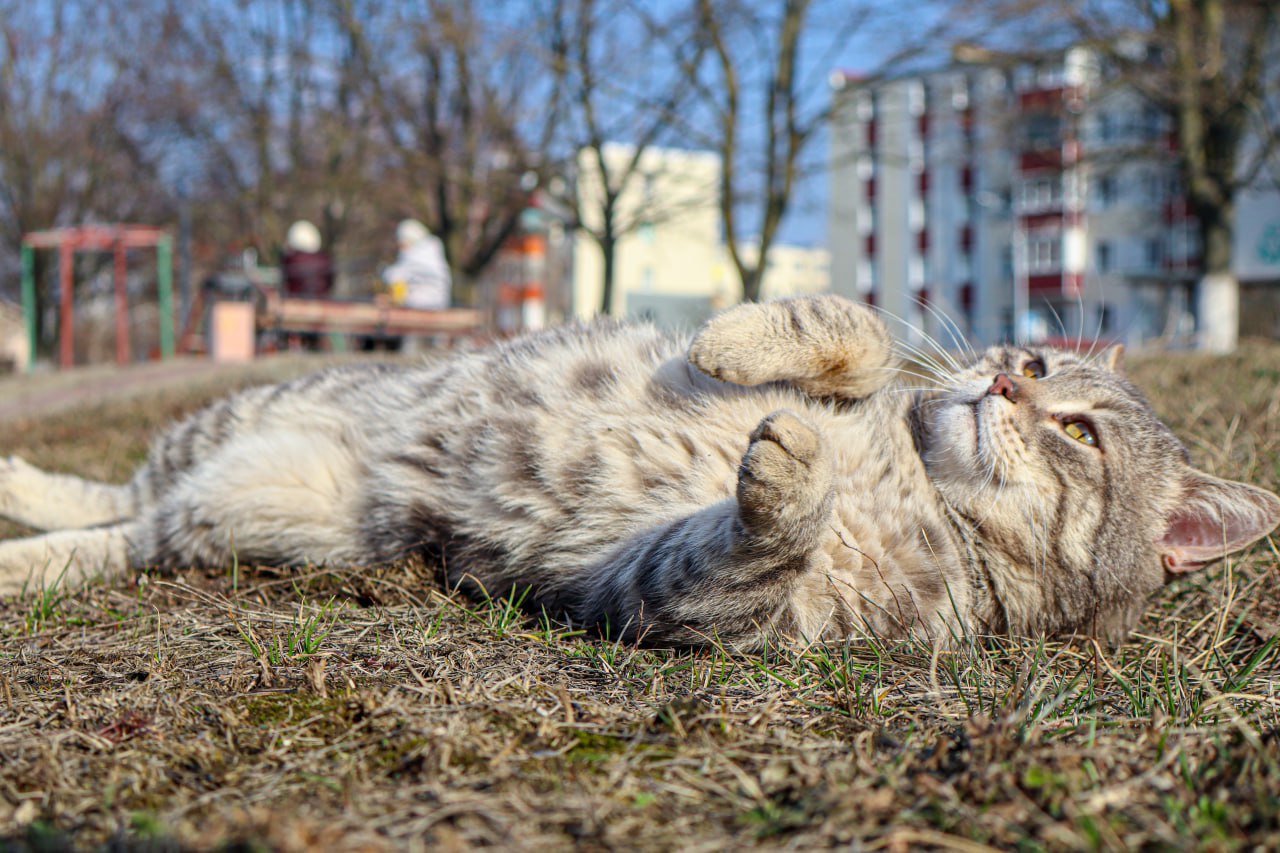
x=266, y=103
x=71, y=149
x=464, y=114
x=617, y=69
x=763, y=97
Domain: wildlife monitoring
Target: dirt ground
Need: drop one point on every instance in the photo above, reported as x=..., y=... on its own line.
x=253, y=709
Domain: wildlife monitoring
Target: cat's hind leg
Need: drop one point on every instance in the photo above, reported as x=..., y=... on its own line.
x=283, y=496
x=48, y=501
x=65, y=558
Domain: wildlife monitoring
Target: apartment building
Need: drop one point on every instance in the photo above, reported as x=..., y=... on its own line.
x=1026, y=200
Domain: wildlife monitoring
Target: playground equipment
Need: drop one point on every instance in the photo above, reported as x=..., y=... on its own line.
x=117, y=239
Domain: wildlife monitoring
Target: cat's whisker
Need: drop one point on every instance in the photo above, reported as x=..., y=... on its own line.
x=910, y=352
x=953, y=331
x=945, y=361
x=928, y=377
x=927, y=338
x=1062, y=326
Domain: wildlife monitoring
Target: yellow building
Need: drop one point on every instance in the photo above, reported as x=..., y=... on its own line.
x=671, y=265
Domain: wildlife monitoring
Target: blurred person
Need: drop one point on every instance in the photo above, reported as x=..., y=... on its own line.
x=306, y=268
x=420, y=276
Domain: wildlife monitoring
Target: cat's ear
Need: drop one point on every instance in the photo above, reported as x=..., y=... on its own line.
x=1113, y=358
x=1214, y=518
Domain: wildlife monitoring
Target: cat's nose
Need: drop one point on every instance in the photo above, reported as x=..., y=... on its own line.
x=1004, y=386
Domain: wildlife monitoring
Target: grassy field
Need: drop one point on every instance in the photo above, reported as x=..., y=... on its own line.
x=368, y=710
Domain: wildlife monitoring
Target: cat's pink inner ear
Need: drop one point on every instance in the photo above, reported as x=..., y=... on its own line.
x=1215, y=518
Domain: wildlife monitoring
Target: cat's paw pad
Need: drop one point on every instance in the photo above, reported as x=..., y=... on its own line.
x=786, y=471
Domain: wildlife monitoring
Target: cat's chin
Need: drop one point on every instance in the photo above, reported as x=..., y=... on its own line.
x=953, y=438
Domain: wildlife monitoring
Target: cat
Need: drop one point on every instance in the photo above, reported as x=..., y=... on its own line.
x=774, y=476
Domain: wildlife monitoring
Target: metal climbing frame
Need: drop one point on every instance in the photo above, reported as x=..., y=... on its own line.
x=117, y=239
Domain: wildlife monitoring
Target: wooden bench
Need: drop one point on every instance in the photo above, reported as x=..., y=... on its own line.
x=377, y=319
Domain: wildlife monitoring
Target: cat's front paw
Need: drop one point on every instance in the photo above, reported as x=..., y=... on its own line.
x=784, y=482
x=723, y=348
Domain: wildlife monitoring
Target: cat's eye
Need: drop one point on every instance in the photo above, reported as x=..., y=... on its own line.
x=1033, y=369
x=1081, y=432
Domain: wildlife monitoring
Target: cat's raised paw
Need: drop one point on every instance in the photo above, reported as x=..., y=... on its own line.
x=785, y=476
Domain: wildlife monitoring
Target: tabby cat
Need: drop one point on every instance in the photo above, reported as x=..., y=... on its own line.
x=773, y=476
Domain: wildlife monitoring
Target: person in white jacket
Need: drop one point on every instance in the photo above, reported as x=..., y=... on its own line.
x=420, y=272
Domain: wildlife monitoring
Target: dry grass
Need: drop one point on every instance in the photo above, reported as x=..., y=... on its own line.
x=370, y=710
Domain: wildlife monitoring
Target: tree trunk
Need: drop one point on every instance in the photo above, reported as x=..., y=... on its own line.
x=609, y=253
x=1218, y=293
x=751, y=280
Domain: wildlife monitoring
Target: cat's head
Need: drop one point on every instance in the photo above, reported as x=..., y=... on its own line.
x=1084, y=499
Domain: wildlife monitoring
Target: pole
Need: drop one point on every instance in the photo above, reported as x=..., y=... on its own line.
x=122, y=304
x=164, y=272
x=29, y=302
x=184, y=256
x=67, y=322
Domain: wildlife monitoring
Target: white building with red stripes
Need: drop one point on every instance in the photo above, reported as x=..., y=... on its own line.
x=1026, y=200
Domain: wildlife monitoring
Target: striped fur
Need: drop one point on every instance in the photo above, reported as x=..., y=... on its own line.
x=771, y=476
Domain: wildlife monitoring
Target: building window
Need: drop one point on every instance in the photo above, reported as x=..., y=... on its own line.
x=1104, y=256
x=1106, y=319
x=915, y=214
x=915, y=98
x=915, y=155
x=866, y=166
x=1044, y=253
x=1153, y=122
x=1106, y=191
x=1154, y=254
x=866, y=275
x=915, y=272
x=864, y=107
x=1106, y=127
x=865, y=220
x=1041, y=132
x=1050, y=76
x=1040, y=194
